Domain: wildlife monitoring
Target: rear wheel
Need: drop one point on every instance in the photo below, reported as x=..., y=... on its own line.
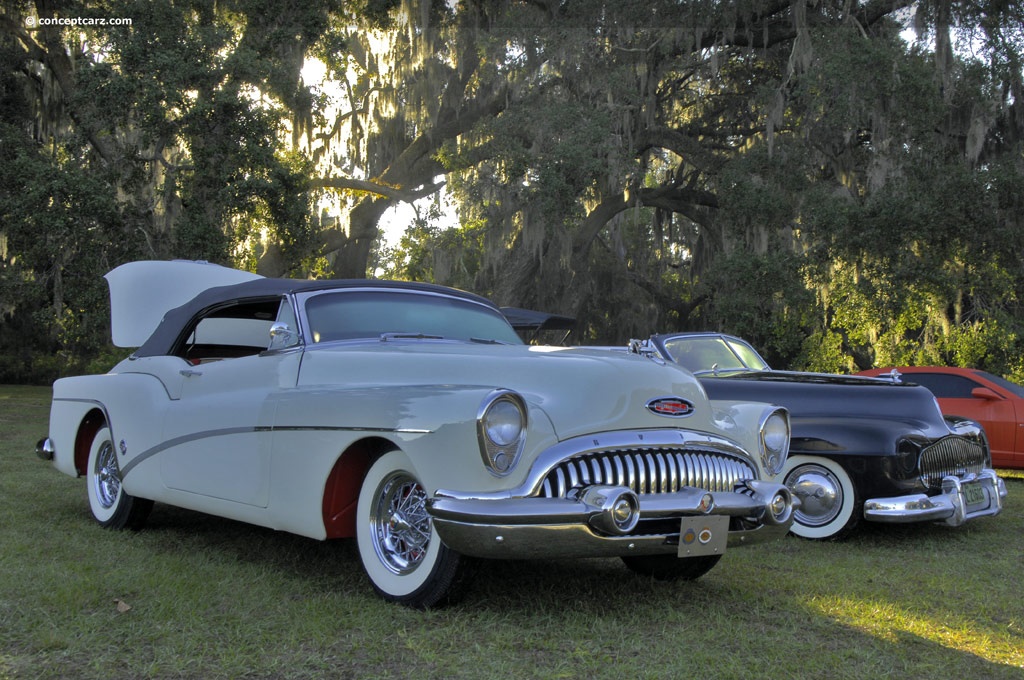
x=670, y=567
x=829, y=504
x=401, y=552
x=110, y=504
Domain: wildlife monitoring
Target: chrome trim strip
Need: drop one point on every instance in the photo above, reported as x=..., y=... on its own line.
x=317, y=428
x=98, y=404
x=209, y=434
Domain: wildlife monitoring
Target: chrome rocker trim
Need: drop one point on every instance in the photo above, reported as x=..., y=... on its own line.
x=949, y=507
x=601, y=521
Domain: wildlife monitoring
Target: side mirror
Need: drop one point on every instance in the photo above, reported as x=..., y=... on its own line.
x=985, y=393
x=282, y=337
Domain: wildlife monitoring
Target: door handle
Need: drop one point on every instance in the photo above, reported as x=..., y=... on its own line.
x=188, y=372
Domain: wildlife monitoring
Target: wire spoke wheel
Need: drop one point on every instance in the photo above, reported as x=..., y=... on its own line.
x=107, y=475
x=404, y=558
x=110, y=504
x=401, y=526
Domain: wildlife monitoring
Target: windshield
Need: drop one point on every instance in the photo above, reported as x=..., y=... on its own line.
x=748, y=355
x=714, y=353
x=349, y=315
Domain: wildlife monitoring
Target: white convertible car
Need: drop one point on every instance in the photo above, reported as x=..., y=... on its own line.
x=412, y=418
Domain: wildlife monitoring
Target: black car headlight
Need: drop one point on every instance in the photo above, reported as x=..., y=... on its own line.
x=775, y=441
x=501, y=430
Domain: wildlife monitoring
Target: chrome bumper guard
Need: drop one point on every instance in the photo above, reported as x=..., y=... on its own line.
x=602, y=521
x=951, y=506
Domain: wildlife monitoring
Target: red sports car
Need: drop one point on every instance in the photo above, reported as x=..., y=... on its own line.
x=996, y=403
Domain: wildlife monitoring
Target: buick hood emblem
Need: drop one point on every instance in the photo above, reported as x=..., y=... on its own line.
x=672, y=407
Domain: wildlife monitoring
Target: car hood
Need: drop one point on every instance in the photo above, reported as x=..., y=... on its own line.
x=825, y=395
x=580, y=391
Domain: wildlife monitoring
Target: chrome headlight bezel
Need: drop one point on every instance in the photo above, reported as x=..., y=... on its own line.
x=774, y=438
x=501, y=425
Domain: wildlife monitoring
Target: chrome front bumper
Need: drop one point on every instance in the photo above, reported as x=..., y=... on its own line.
x=606, y=521
x=951, y=506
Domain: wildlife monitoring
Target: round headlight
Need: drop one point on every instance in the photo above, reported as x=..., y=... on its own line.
x=501, y=428
x=775, y=439
x=503, y=423
x=776, y=433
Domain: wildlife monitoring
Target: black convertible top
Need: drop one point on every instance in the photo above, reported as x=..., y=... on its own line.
x=174, y=323
x=530, y=320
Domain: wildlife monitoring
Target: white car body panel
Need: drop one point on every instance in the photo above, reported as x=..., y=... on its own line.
x=255, y=450
x=256, y=438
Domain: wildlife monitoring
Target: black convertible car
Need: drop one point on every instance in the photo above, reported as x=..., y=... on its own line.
x=862, y=448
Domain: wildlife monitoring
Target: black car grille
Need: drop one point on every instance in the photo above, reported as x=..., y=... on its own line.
x=954, y=456
x=648, y=471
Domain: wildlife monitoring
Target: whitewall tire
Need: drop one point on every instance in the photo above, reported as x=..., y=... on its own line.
x=110, y=504
x=398, y=546
x=829, y=503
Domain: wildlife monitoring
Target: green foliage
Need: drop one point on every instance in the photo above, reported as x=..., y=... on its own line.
x=427, y=252
x=791, y=172
x=62, y=231
x=985, y=345
x=761, y=298
x=822, y=352
x=158, y=144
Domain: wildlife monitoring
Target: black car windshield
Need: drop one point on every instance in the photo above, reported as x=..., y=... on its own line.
x=388, y=314
x=704, y=353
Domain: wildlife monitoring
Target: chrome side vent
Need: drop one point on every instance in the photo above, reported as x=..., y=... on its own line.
x=648, y=471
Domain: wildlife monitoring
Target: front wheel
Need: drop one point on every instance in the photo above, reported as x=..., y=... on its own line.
x=110, y=505
x=829, y=504
x=398, y=546
x=670, y=567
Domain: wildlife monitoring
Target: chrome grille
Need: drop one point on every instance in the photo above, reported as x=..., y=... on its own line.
x=954, y=456
x=648, y=471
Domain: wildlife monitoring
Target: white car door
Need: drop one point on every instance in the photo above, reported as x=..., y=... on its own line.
x=218, y=432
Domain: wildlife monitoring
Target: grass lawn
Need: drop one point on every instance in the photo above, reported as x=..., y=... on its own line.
x=193, y=596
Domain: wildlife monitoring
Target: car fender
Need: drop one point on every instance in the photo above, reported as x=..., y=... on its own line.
x=850, y=436
x=741, y=421
x=430, y=423
x=132, y=406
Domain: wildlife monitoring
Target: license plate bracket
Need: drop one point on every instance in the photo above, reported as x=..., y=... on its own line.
x=704, y=535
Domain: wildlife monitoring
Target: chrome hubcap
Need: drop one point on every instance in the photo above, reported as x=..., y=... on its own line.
x=400, y=524
x=107, y=476
x=820, y=494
